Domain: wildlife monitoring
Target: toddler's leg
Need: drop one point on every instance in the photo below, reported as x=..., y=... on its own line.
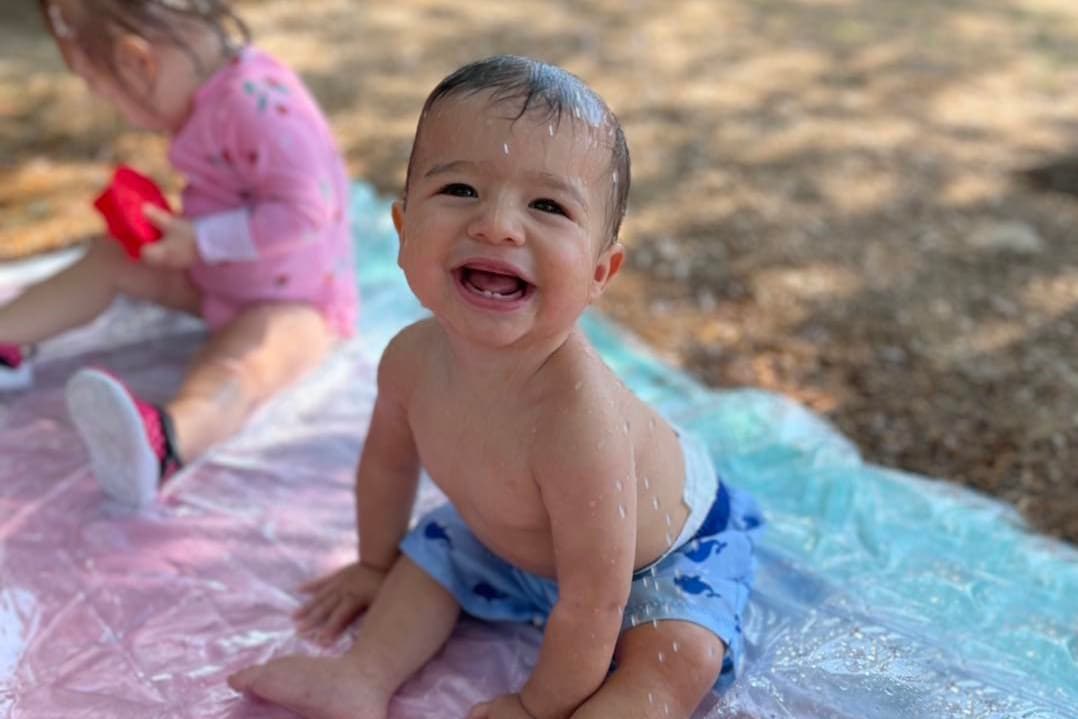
x=410, y=620
x=262, y=350
x=79, y=293
x=662, y=671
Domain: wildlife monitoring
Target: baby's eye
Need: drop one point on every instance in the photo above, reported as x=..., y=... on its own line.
x=548, y=205
x=458, y=189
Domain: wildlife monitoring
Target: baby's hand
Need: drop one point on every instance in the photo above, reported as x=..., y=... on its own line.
x=507, y=706
x=178, y=247
x=338, y=599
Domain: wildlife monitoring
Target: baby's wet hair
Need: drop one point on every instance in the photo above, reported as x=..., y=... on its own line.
x=551, y=92
x=94, y=25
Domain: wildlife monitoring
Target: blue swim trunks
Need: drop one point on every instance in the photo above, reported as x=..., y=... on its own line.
x=706, y=580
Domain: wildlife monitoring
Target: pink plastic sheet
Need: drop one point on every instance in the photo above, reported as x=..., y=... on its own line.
x=109, y=613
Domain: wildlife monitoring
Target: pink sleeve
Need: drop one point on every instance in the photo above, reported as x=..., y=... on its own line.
x=280, y=150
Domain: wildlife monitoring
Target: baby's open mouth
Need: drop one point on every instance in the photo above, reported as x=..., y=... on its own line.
x=493, y=284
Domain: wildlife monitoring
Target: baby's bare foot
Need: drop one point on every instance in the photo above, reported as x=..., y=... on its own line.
x=314, y=687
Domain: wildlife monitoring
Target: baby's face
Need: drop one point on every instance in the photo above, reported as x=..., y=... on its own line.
x=503, y=231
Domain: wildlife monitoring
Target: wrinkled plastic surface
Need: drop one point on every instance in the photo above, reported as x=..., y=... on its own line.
x=879, y=594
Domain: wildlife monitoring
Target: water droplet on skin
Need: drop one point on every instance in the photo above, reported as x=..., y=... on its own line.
x=655, y=503
x=662, y=658
x=654, y=623
x=626, y=426
x=667, y=708
x=614, y=176
x=505, y=147
x=669, y=539
x=669, y=522
x=651, y=698
x=647, y=483
x=618, y=485
x=621, y=511
x=675, y=647
x=577, y=386
x=550, y=129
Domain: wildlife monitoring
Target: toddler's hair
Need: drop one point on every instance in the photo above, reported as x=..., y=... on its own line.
x=94, y=25
x=551, y=91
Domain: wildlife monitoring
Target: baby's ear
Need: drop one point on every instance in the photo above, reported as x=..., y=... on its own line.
x=608, y=265
x=398, y=218
x=136, y=61
x=398, y=222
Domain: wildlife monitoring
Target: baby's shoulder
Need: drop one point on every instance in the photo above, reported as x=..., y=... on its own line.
x=408, y=352
x=583, y=407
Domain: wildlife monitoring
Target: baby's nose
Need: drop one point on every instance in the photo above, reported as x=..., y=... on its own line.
x=498, y=223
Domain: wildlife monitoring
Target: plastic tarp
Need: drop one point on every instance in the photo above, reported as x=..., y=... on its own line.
x=879, y=593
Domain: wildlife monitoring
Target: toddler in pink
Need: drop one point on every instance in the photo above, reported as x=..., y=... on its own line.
x=267, y=194
x=260, y=248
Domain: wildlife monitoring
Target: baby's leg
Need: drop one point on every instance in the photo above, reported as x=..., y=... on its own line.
x=662, y=671
x=262, y=350
x=410, y=620
x=79, y=293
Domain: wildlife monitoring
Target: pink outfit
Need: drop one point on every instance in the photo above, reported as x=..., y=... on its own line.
x=268, y=194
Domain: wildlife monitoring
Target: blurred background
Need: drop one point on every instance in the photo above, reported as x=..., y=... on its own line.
x=864, y=204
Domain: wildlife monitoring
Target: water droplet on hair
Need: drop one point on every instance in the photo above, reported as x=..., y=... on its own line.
x=621, y=511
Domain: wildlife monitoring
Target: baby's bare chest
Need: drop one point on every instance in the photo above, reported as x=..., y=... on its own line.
x=482, y=463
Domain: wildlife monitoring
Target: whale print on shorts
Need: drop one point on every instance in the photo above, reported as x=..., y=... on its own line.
x=436, y=532
x=702, y=550
x=486, y=591
x=694, y=585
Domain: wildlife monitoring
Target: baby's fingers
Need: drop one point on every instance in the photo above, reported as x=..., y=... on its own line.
x=158, y=218
x=316, y=585
x=344, y=614
x=480, y=711
x=316, y=609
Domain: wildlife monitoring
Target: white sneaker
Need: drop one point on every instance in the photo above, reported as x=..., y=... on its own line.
x=115, y=426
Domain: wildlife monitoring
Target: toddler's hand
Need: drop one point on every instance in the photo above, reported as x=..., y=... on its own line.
x=178, y=247
x=337, y=600
x=507, y=706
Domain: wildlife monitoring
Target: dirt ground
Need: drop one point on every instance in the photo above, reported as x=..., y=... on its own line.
x=828, y=195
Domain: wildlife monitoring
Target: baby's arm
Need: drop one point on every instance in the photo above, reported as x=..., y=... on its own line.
x=585, y=474
x=388, y=473
x=386, y=482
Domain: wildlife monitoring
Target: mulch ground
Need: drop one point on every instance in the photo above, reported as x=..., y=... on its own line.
x=830, y=198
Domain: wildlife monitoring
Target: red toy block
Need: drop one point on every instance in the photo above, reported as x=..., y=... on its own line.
x=121, y=206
